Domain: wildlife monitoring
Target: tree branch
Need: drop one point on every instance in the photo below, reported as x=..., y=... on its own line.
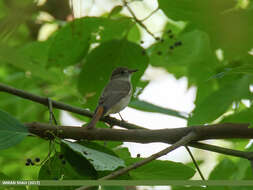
x=66, y=107
x=73, y=132
x=217, y=131
x=148, y=136
x=221, y=150
x=181, y=142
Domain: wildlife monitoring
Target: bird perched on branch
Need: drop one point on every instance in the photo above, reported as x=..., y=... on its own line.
x=115, y=96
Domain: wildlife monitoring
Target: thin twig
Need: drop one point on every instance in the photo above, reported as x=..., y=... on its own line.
x=137, y=20
x=222, y=150
x=66, y=107
x=51, y=114
x=195, y=163
x=183, y=141
x=150, y=14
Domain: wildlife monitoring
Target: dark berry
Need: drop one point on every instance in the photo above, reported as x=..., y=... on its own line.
x=27, y=163
x=63, y=162
x=179, y=43
x=159, y=53
x=37, y=159
x=29, y=160
x=171, y=47
x=138, y=155
x=142, y=41
x=169, y=31
x=61, y=156
x=32, y=163
x=171, y=36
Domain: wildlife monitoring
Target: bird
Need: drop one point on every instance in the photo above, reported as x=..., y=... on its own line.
x=115, y=96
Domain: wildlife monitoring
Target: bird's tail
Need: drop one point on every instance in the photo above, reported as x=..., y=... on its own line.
x=98, y=114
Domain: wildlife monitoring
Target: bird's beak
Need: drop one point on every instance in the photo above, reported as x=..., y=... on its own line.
x=132, y=71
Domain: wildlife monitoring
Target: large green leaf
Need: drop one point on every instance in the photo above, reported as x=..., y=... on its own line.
x=193, y=58
x=149, y=107
x=101, y=161
x=218, y=102
x=228, y=27
x=194, y=10
x=161, y=170
x=102, y=60
x=157, y=169
x=12, y=131
x=36, y=52
x=57, y=168
x=224, y=170
x=71, y=43
x=27, y=63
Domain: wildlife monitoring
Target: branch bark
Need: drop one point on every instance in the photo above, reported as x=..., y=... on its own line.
x=59, y=105
x=147, y=136
x=217, y=131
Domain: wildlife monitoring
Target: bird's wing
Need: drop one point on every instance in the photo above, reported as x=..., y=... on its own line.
x=113, y=93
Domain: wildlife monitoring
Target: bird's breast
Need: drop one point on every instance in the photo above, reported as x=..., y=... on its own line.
x=121, y=104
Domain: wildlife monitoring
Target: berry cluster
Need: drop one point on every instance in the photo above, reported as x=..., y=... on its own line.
x=31, y=162
x=161, y=40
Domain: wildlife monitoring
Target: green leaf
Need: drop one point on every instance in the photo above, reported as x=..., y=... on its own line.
x=116, y=10
x=12, y=131
x=243, y=116
x=149, y=107
x=218, y=102
x=101, y=161
x=59, y=169
x=193, y=58
x=36, y=52
x=102, y=60
x=157, y=169
x=71, y=43
x=194, y=10
x=223, y=170
x=244, y=168
x=28, y=63
x=74, y=159
x=134, y=34
x=228, y=28
x=161, y=170
x=4, y=177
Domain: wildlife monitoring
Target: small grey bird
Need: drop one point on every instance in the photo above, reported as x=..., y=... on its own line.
x=115, y=96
